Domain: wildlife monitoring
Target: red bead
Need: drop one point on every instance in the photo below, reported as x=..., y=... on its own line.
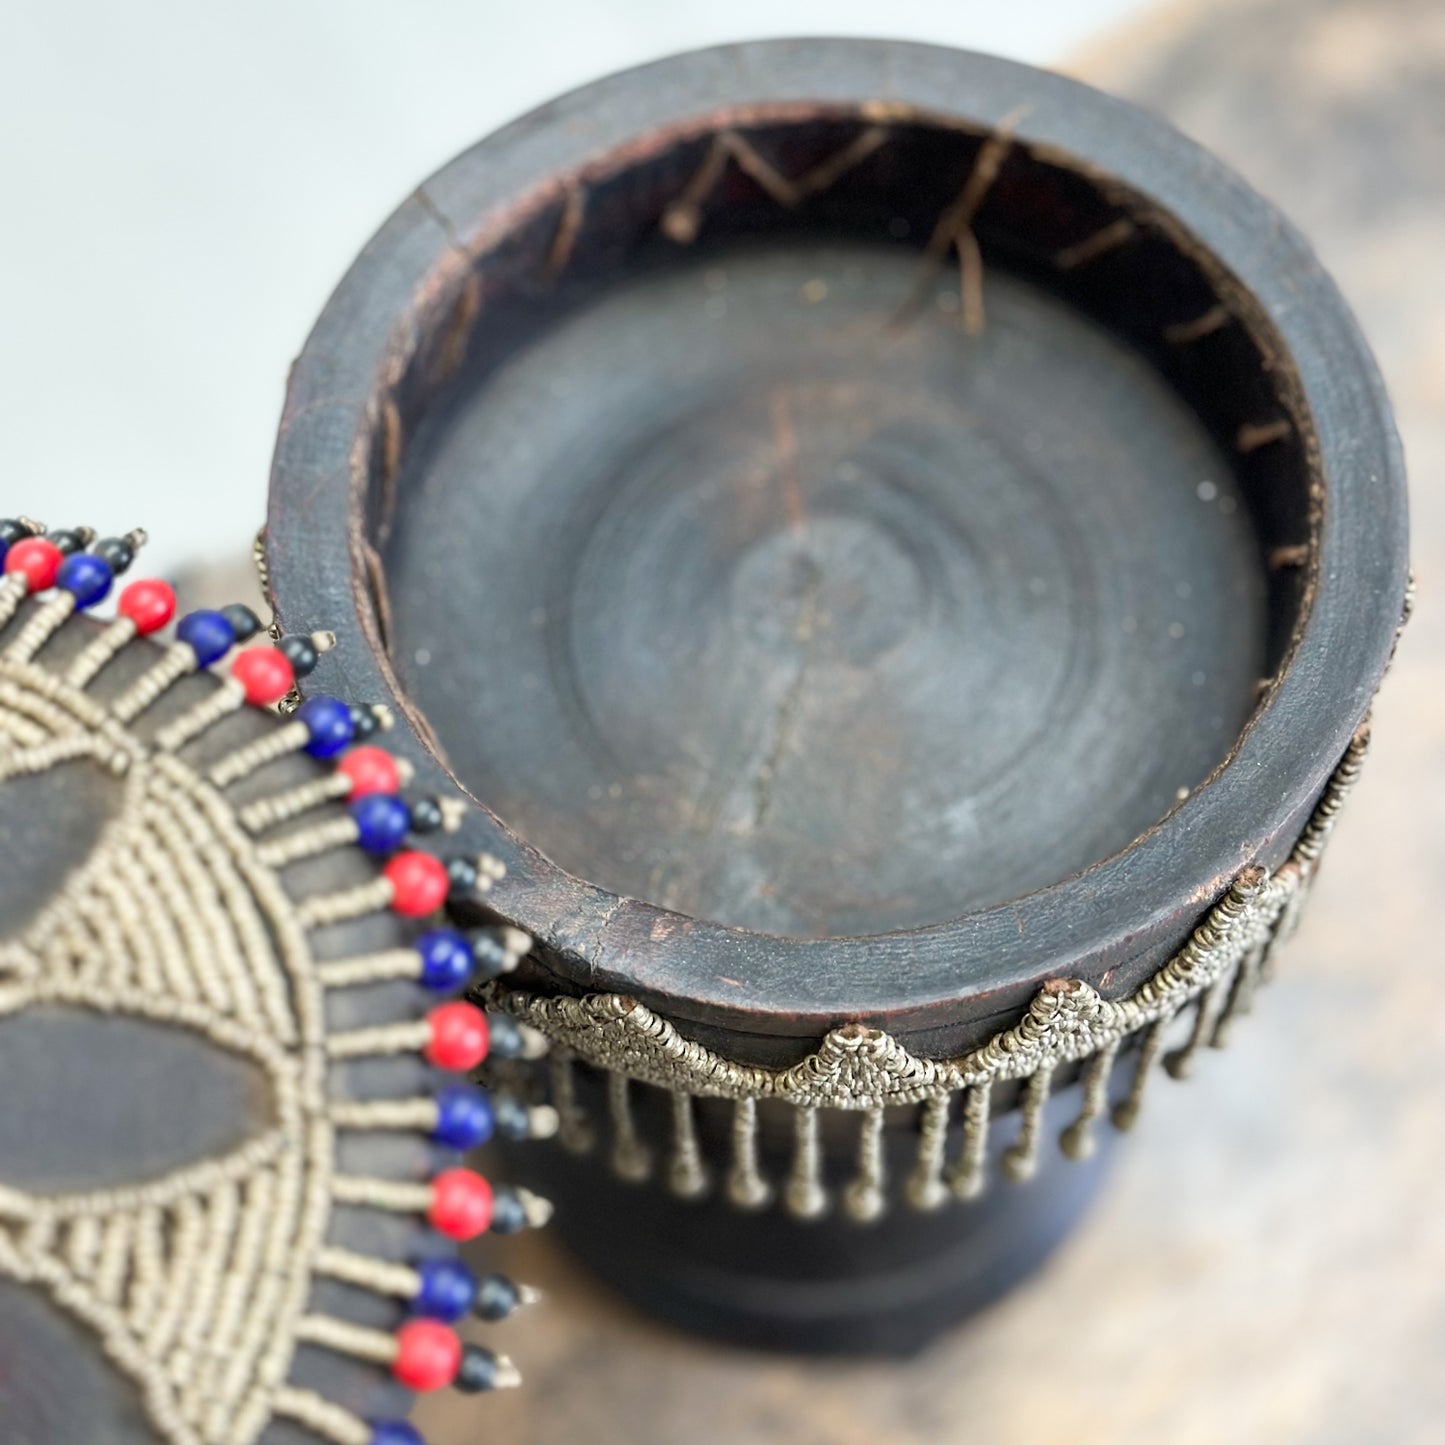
x=149, y=603
x=459, y=1036
x=38, y=558
x=428, y=1355
x=264, y=673
x=419, y=883
x=371, y=770
x=461, y=1205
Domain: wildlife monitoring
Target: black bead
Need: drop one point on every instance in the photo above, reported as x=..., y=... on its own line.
x=426, y=815
x=68, y=541
x=513, y=1120
x=505, y=1037
x=12, y=531
x=490, y=954
x=508, y=1216
x=116, y=552
x=244, y=623
x=496, y=1298
x=298, y=650
x=364, y=722
x=478, y=1370
x=463, y=875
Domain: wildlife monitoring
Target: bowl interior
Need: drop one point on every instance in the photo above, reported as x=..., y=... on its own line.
x=827, y=527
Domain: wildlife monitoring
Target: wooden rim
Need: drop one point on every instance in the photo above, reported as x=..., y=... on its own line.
x=1111, y=924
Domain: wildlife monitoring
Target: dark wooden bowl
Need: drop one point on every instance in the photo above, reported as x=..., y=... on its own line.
x=872, y=528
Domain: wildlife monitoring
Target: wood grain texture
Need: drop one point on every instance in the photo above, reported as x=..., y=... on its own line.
x=465, y=264
x=1269, y=1262
x=750, y=732
x=819, y=625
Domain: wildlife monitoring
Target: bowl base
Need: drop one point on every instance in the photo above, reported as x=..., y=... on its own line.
x=811, y=616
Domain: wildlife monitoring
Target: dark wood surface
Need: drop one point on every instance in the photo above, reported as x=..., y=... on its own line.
x=1268, y=1263
x=795, y=619
x=562, y=208
x=869, y=657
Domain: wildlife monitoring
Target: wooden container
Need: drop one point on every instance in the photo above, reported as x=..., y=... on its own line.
x=897, y=548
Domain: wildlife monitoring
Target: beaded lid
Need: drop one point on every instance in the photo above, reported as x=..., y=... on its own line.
x=229, y=1188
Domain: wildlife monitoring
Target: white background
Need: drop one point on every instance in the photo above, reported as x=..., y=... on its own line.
x=183, y=183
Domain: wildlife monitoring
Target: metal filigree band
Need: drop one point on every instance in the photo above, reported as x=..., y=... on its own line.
x=865, y=1070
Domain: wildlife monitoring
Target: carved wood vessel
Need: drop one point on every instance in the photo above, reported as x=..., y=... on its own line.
x=896, y=550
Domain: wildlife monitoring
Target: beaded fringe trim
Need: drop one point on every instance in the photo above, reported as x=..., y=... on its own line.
x=198, y=1282
x=864, y=1071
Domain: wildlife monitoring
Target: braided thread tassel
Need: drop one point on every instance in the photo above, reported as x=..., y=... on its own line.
x=1241, y=993
x=746, y=1187
x=631, y=1158
x=1077, y=1141
x=1180, y=1063
x=967, y=1178
x=863, y=1199
x=1126, y=1112
x=574, y=1133
x=1021, y=1159
x=686, y=1176
x=805, y=1195
x=925, y=1188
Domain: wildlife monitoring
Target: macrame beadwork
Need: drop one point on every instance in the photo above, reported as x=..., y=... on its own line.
x=199, y=1283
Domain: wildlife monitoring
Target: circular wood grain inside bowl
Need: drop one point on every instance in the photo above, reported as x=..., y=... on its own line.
x=865, y=524
x=816, y=622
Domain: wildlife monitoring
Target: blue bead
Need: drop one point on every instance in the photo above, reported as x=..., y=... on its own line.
x=207, y=634
x=382, y=821
x=4, y=548
x=395, y=1432
x=464, y=1117
x=448, y=1289
x=446, y=960
x=328, y=720
x=86, y=576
